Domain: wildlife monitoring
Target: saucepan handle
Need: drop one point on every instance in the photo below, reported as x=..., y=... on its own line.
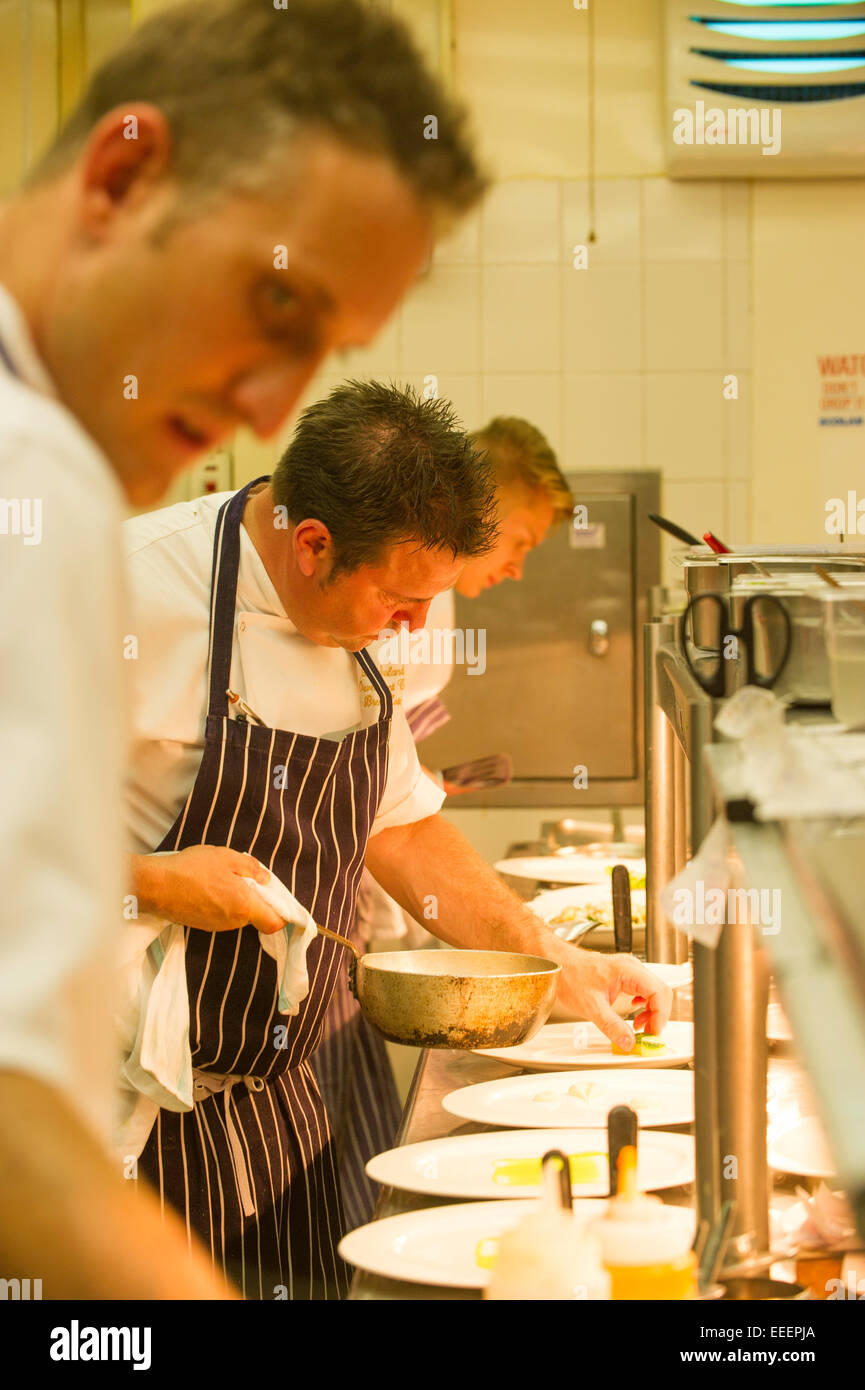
x=355, y=955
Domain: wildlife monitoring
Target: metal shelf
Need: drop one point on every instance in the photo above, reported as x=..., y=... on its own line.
x=817, y=956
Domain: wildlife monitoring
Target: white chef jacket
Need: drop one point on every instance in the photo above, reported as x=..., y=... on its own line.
x=425, y=679
x=289, y=681
x=62, y=737
x=382, y=917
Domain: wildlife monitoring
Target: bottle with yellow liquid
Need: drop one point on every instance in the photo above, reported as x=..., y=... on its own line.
x=549, y=1255
x=646, y=1256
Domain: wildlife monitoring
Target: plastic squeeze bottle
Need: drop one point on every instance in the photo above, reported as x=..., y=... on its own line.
x=646, y=1256
x=550, y=1255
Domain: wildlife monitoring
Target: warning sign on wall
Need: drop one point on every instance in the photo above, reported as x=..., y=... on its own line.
x=841, y=427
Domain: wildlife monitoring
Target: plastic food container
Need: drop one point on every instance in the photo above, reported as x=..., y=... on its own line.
x=844, y=611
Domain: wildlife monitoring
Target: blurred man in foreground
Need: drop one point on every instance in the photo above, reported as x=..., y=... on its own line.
x=242, y=190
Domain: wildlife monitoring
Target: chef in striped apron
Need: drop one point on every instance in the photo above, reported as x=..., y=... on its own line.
x=352, y=1065
x=258, y=1137
x=252, y=1167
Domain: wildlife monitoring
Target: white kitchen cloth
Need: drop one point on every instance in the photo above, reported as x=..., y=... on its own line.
x=793, y=771
x=289, y=946
x=156, y=1066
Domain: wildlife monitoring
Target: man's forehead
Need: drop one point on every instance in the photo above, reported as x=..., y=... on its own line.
x=408, y=564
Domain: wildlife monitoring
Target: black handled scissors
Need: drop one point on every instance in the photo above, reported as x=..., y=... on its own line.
x=707, y=661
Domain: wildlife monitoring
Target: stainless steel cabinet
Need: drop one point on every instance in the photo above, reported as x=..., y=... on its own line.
x=563, y=678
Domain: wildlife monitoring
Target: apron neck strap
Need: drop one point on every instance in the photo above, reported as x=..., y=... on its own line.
x=223, y=602
x=7, y=361
x=379, y=683
x=223, y=596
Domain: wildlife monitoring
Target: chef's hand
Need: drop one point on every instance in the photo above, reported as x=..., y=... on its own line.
x=590, y=983
x=203, y=887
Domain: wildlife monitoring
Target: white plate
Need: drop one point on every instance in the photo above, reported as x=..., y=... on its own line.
x=566, y=868
x=463, y=1165
x=552, y=901
x=512, y=1100
x=802, y=1149
x=600, y=936
x=563, y=1046
x=659, y=1098
x=439, y=1245
x=789, y=1094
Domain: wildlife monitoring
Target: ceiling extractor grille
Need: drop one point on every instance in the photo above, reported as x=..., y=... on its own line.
x=765, y=90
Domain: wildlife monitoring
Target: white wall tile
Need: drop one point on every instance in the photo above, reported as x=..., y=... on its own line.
x=603, y=421
x=684, y=424
x=699, y=507
x=617, y=221
x=441, y=323
x=629, y=65
x=736, y=417
x=520, y=318
x=602, y=319
x=682, y=220
x=462, y=245
x=738, y=514
x=462, y=389
x=683, y=315
x=523, y=72
x=534, y=396
x=520, y=222
x=736, y=199
x=737, y=313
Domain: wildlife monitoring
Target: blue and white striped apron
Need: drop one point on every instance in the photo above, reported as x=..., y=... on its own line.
x=251, y=1168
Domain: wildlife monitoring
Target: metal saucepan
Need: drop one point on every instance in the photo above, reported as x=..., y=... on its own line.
x=457, y=999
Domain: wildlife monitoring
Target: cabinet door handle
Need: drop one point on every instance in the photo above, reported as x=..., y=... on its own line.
x=599, y=637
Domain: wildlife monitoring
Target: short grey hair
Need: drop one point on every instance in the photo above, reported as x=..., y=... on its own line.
x=235, y=78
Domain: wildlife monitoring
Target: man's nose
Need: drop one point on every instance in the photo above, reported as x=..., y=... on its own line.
x=265, y=396
x=419, y=617
x=513, y=570
x=413, y=618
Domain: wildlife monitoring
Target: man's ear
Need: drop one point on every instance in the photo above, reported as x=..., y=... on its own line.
x=127, y=153
x=313, y=547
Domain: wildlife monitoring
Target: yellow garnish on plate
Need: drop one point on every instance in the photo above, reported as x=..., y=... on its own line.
x=645, y=1045
x=486, y=1253
x=526, y=1172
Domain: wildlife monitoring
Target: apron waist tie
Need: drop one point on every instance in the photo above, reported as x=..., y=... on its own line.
x=209, y=1083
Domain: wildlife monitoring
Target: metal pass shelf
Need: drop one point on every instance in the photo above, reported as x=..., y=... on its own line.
x=817, y=956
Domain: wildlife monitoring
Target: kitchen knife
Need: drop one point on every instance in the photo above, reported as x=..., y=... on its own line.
x=622, y=928
x=673, y=530
x=621, y=1132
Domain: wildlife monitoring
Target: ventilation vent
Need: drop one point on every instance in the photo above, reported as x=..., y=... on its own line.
x=779, y=90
